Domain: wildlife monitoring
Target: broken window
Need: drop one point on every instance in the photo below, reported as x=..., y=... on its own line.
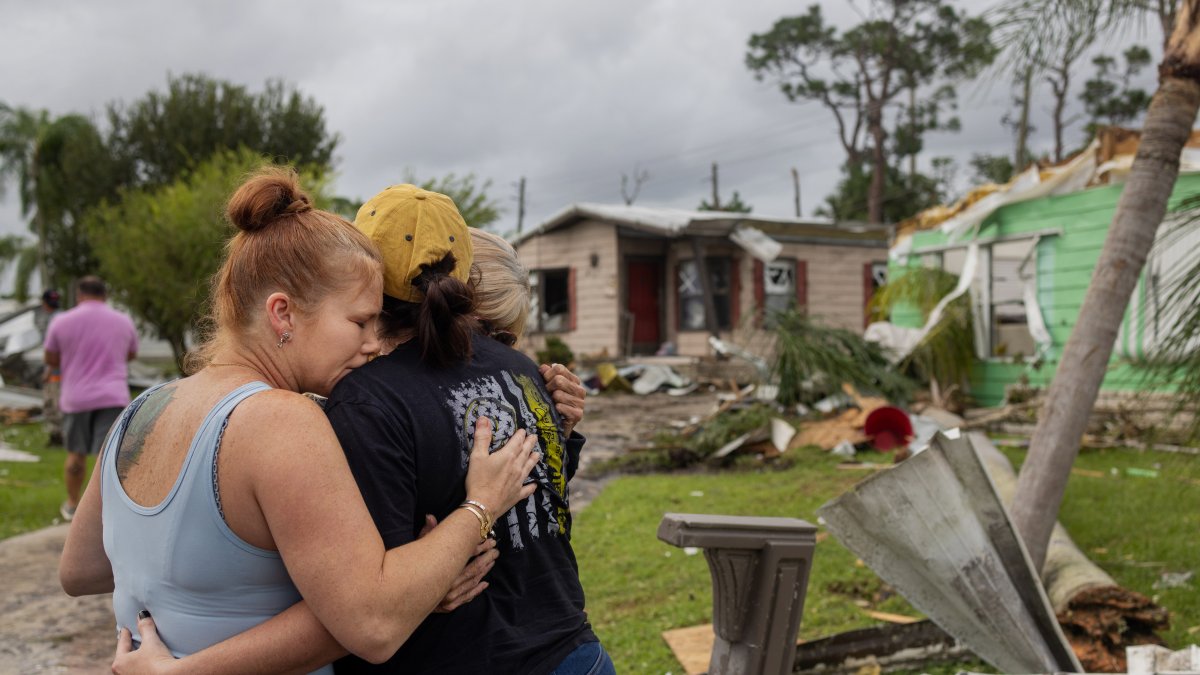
x=1013, y=265
x=550, y=300
x=691, y=294
x=1004, y=278
x=780, y=284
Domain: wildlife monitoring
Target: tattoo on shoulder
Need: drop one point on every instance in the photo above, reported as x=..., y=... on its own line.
x=140, y=427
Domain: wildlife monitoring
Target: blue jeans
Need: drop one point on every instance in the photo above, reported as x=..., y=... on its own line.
x=587, y=659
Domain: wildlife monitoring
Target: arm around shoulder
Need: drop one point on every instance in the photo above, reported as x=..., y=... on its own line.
x=319, y=522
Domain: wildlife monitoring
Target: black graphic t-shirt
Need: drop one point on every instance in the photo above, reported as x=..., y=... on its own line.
x=407, y=430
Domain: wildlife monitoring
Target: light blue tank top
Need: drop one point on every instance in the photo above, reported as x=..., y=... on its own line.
x=179, y=559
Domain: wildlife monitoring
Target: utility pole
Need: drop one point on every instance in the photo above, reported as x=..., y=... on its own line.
x=520, y=204
x=716, y=202
x=796, y=189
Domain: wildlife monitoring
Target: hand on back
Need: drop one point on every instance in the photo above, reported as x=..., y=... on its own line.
x=497, y=479
x=567, y=391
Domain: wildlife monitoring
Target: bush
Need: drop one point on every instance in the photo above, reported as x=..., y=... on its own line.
x=556, y=351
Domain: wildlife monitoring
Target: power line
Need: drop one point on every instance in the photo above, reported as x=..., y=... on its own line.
x=769, y=134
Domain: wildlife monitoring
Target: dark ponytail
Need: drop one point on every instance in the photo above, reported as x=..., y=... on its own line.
x=442, y=322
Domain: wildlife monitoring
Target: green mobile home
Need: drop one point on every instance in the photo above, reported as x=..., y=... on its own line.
x=1030, y=262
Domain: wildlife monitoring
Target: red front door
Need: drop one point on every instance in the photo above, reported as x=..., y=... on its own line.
x=644, y=286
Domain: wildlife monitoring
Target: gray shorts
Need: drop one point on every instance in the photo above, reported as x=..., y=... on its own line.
x=84, y=431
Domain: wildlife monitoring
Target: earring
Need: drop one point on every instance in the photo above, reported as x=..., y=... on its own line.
x=286, y=337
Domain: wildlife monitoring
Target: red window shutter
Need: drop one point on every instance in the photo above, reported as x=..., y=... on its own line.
x=760, y=296
x=802, y=286
x=571, y=299
x=735, y=288
x=868, y=291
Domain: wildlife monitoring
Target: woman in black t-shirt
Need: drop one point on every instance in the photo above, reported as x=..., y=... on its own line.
x=440, y=377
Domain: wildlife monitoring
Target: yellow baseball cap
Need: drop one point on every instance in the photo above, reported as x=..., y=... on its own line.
x=414, y=227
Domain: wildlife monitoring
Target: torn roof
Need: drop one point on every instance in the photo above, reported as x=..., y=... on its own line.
x=667, y=222
x=1107, y=159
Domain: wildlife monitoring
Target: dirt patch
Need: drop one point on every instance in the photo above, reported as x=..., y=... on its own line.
x=614, y=423
x=43, y=629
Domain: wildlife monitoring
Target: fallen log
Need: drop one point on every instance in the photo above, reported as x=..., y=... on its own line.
x=1099, y=617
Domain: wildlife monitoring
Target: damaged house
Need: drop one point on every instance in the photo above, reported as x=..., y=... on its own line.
x=617, y=281
x=1025, y=251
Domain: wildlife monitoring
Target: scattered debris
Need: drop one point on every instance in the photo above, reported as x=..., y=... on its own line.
x=861, y=466
x=782, y=433
x=844, y=449
x=1173, y=580
x=827, y=433
x=1151, y=659
x=11, y=455
x=891, y=618
x=728, y=448
x=888, y=427
x=692, y=647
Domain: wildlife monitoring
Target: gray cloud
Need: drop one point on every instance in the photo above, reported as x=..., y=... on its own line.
x=567, y=94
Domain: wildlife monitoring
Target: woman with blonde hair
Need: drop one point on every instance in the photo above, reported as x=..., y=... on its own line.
x=222, y=498
x=502, y=292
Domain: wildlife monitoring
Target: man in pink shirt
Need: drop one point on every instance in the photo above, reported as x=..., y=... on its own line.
x=91, y=345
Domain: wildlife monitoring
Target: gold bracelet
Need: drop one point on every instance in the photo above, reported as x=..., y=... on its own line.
x=486, y=514
x=484, y=525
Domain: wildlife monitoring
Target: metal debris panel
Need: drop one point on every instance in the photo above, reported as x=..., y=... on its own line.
x=934, y=528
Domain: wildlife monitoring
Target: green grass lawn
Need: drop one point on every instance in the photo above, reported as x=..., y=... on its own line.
x=30, y=493
x=1135, y=527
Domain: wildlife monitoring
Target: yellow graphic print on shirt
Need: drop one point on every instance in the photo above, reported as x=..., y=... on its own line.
x=551, y=438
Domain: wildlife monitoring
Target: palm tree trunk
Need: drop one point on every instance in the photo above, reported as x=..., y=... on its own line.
x=1023, y=123
x=879, y=163
x=1085, y=358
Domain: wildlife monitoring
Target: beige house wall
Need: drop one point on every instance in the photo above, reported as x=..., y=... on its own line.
x=595, y=300
x=835, y=281
x=835, y=293
x=835, y=286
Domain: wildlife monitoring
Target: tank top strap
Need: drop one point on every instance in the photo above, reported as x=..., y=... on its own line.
x=208, y=435
x=214, y=422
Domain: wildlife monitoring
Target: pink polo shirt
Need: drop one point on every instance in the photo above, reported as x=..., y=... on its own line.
x=94, y=342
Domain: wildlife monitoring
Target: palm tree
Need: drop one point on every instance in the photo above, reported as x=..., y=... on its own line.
x=21, y=130
x=1140, y=210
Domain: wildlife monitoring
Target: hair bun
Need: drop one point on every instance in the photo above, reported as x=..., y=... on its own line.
x=269, y=194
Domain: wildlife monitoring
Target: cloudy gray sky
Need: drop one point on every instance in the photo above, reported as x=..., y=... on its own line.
x=567, y=94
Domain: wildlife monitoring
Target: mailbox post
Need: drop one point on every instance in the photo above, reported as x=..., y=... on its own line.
x=759, y=570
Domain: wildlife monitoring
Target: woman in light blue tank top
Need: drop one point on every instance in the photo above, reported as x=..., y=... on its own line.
x=222, y=499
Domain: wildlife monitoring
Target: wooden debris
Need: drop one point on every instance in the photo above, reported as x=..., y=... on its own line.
x=16, y=415
x=845, y=426
x=891, y=618
x=692, y=647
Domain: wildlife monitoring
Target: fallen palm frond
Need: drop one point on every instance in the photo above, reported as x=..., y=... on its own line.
x=812, y=361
